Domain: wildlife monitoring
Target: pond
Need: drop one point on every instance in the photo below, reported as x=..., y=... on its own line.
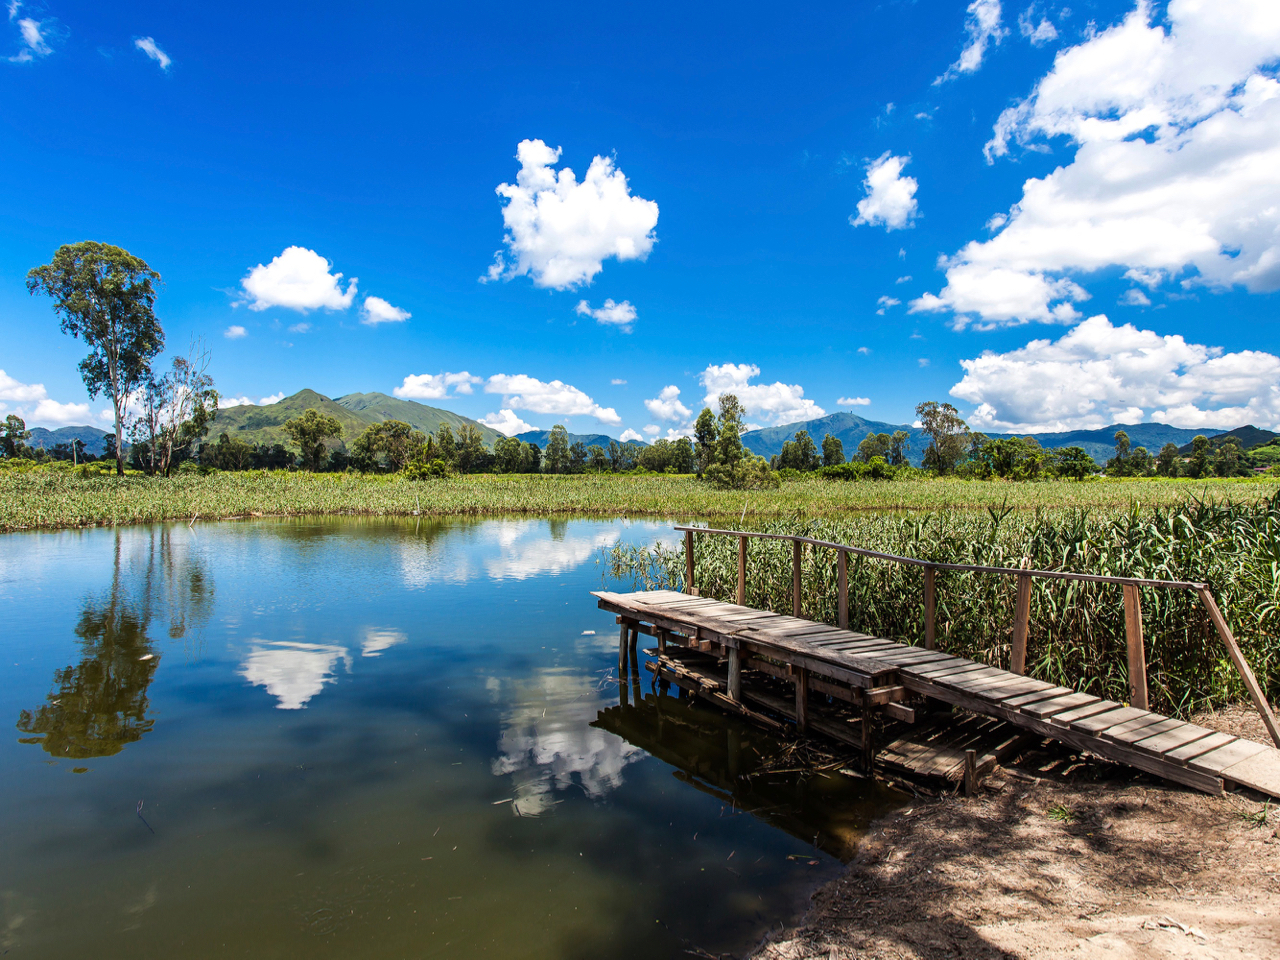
x=379, y=738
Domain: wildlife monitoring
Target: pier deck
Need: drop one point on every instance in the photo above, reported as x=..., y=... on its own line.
x=882, y=677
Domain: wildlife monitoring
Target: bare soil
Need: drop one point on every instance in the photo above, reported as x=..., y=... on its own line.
x=1059, y=856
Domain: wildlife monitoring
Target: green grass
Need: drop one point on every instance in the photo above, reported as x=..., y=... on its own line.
x=1061, y=813
x=52, y=498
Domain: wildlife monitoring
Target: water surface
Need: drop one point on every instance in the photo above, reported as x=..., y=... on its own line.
x=376, y=738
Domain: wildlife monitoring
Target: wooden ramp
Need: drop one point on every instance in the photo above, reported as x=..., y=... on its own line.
x=879, y=675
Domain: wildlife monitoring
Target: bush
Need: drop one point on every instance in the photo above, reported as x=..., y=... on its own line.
x=426, y=470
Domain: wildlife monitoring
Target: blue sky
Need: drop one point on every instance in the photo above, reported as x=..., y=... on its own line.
x=800, y=204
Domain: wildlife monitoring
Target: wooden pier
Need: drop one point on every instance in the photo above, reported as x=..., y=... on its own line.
x=846, y=685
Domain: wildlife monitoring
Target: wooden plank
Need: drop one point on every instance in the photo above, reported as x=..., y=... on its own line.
x=1048, y=708
x=1109, y=718
x=1167, y=740
x=1021, y=623
x=1048, y=692
x=1088, y=710
x=1242, y=666
x=1134, y=731
x=1215, y=761
x=1133, y=642
x=1198, y=748
x=1261, y=772
x=957, y=666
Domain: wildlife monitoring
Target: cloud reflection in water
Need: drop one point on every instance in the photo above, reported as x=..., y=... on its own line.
x=293, y=672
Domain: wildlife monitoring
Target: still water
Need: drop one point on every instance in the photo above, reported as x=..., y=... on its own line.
x=373, y=738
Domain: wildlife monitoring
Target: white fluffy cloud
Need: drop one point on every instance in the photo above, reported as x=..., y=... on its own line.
x=1174, y=178
x=33, y=404
x=854, y=401
x=1098, y=374
x=891, y=197
x=528, y=393
x=560, y=231
x=652, y=430
x=148, y=46
x=778, y=403
x=235, y=332
x=507, y=423
x=621, y=315
x=434, y=386
x=375, y=310
x=243, y=401
x=884, y=303
x=299, y=279
x=1038, y=33
x=630, y=435
x=667, y=406
x=983, y=27
x=35, y=38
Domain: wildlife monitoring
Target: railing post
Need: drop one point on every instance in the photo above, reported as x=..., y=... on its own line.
x=1250, y=681
x=689, y=588
x=842, y=581
x=742, y=571
x=1137, y=654
x=796, y=603
x=930, y=601
x=1021, y=620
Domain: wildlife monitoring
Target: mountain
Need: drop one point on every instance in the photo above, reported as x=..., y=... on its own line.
x=379, y=407
x=91, y=437
x=1249, y=436
x=851, y=430
x=540, y=438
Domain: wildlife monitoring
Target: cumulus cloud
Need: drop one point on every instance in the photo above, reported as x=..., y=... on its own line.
x=984, y=29
x=560, y=231
x=148, y=46
x=891, y=197
x=652, y=430
x=1135, y=298
x=243, y=401
x=299, y=279
x=854, y=401
x=434, y=386
x=35, y=37
x=1098, y=374
x=621, y=315
x=523, y=392
x=778, y=403
x=1038, y=33
x=507, y=423
x=1177, y=135
x=884, y=303
x=375, y=310
x=667, y=406
x=630, y=435
x=33, y=404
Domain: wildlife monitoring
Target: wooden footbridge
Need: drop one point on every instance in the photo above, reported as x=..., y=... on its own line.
x=847, y=685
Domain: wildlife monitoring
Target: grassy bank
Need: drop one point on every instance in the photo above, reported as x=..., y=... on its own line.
x=45, y=499
x=1077, y=635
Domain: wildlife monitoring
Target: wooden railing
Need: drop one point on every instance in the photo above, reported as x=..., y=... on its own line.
x=1022, y=607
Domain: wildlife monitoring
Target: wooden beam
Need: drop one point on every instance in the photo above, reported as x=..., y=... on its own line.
x=930, y=602
x=797, y=604
x=842, y=586
x=1137, y=653
x=688, y=563
x=868, y=742
x=1021, y=622
x=802, y=699
x=735, y=675
x=622, y=648
x=742, y=571
x=970, y=772
x=1250, y=681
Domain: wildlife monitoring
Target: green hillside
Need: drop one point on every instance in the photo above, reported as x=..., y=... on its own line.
x=379, y=406
x=540, y=437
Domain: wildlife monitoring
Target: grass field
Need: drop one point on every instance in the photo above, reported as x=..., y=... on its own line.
x=47, y=499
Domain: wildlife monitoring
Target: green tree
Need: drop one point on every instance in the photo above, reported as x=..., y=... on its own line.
x=471, y=456
x=1198, y=466
x=597, y=459
x=683, y=461
x=705, y=435
x=1167, y=460
x=729, y=449
x=899, y=444
x=799, y=453
x=232, y=454
x=309, y=432
x=874, y=445
x=175, y=411
x=394, y=441
x=556, y=458
x=1119, y=465
x=1226, y=460
x=507, y=455
x=530, y=458
x=1073, y=462
x=446, y=448
x=832, y=451
x=948, y=435
x=105, y=296
x=13, y=440
x=578, y=457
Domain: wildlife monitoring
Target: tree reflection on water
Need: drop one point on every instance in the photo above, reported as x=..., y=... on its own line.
x=100, y=704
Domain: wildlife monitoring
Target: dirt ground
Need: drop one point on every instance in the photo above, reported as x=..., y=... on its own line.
x=1058, y=856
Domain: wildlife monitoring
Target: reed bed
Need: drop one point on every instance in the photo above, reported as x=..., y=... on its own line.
x=1077, y=636
x=46, y=499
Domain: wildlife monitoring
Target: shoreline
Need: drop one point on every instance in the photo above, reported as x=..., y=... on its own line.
x=1058, y=856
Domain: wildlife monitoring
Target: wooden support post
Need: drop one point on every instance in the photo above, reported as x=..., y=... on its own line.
x=635, y=670
x=735, y=675
x=930, y=608
x=688, y=563
x=1021, y=619
x=1250, y=681
x=970, y=772
x=868, y=739
x=842, y=585
x=802, y=699
x=742, y=571
x=662, y=640
x=1137, y=653
x=622, y=649
x=796, y=603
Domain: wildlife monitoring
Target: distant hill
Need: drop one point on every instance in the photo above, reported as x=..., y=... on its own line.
x=91, y=437
x=540, y=438
x=851, y=430
x=1249, y=436
x=355, y=411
